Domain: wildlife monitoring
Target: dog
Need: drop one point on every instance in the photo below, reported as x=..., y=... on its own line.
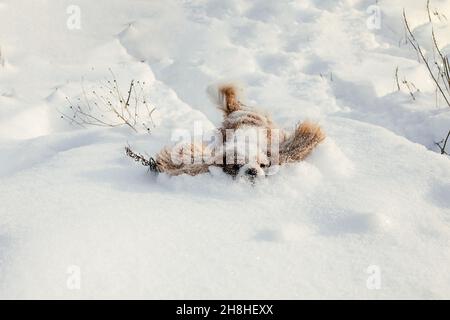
x=247, y=145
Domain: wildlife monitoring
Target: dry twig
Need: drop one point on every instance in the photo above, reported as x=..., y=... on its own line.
x=443, y=143
x=438, y=69
x=441, y=76
x=108, y=107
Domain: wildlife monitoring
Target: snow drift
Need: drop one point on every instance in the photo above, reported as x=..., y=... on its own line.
x=376, y=193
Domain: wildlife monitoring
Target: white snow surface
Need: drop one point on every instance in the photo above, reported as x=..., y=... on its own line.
x=375, y=193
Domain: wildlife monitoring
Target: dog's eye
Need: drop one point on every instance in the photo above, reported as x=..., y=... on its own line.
x=263, y=165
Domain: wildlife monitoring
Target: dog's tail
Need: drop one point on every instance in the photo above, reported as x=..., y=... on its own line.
x=227, y=98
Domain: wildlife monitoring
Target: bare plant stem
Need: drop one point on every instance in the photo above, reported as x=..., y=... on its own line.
x=442, y=66
x=396, y=79
x=107, y=107
x=443, y=144
x=415, y=44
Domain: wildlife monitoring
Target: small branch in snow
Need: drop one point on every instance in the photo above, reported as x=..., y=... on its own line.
x=106, y=106
x=410, y=86
x=438, y=69
x=396, y=79
x=443, y=143
x=441, y=76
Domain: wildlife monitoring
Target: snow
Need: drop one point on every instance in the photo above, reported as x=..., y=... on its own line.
x=375, y=193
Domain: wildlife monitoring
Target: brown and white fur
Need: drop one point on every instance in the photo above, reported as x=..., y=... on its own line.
x=238, y=119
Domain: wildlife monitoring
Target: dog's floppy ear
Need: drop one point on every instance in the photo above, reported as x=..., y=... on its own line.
x=182, y=159
x=300, y=144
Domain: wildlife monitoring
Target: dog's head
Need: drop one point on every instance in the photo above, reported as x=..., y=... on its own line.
x=250, y=170
x=245, y=154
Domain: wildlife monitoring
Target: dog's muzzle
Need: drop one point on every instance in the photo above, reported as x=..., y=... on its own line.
x=251, y=172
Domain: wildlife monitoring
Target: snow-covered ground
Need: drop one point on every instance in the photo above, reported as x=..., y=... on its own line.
x=366, y=216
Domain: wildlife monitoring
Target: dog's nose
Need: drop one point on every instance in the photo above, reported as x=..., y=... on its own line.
x=251, y=172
